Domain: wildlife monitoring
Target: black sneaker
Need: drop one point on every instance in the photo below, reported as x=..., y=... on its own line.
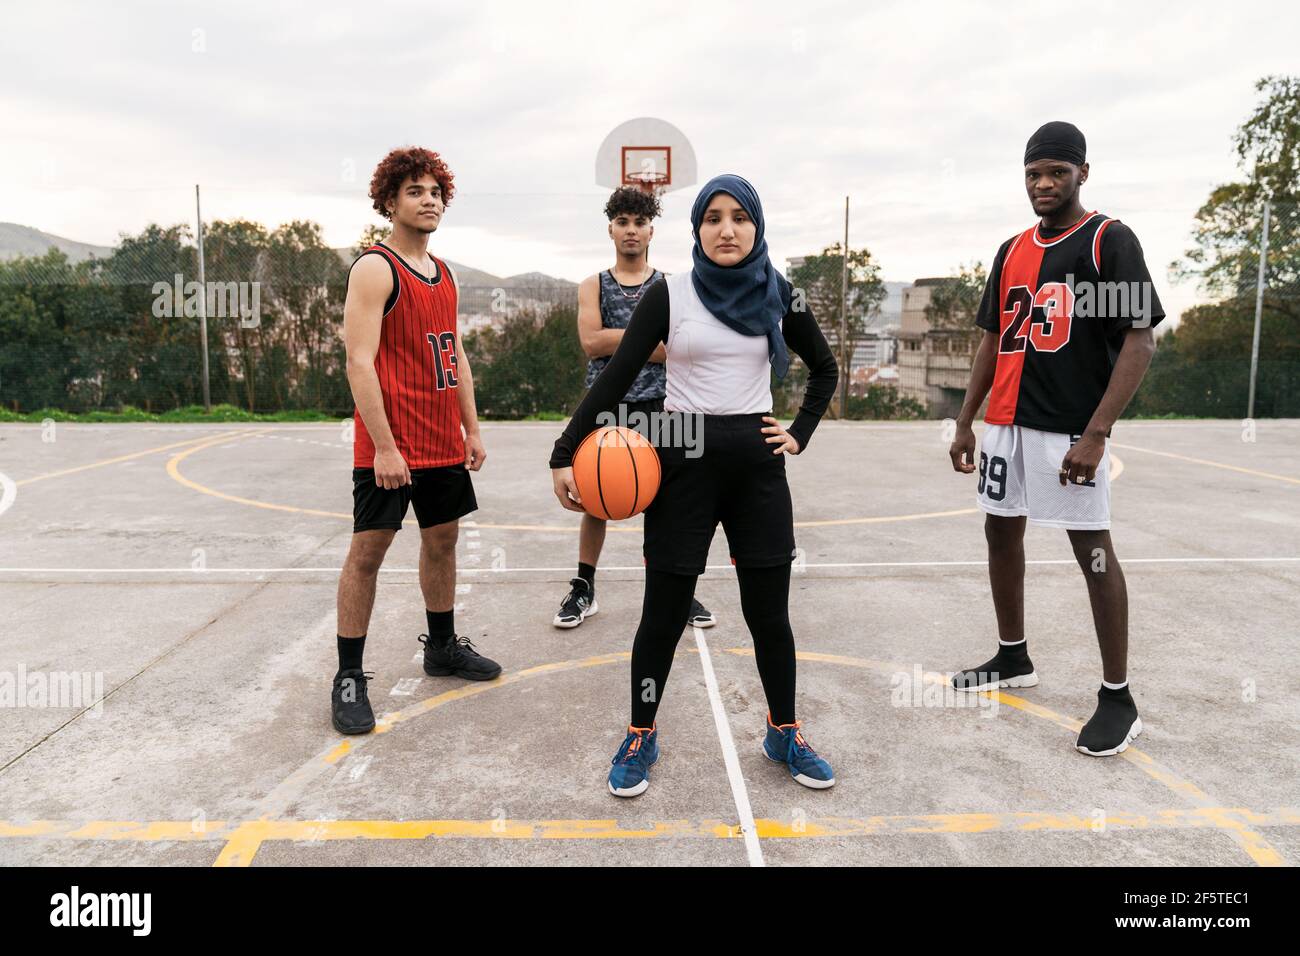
x=456, y=656
x=1113, y=725
x=578, y=606
x=1009, y=667
x=700, y=615
x=350, y=703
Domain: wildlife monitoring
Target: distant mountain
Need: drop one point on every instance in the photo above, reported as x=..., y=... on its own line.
x=535, y=280
x=16, y=240
x=471, y=277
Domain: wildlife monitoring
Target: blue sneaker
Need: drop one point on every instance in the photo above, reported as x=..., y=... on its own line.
x=785, y=744
x=630, y=774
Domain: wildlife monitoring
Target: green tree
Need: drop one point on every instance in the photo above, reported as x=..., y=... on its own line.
x=370, y=235
x=884, y=402
x=306, y=284
x=955, y=301
x=1202, y=367
x=529, y=365
x=38, y=358
x=817, y=282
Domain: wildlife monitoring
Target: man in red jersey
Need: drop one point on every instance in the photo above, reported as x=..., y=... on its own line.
x=417, y=433
x=1067, y=316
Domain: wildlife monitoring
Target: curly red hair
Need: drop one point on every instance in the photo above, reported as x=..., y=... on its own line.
x=413, y=161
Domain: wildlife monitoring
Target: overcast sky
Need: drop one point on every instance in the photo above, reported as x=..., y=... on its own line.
x=917, y=111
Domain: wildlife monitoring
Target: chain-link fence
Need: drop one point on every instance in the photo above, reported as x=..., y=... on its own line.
x=1203, y=368
x=82, y=333
x=122, y=328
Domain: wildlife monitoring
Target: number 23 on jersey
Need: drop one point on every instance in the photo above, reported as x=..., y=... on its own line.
x=1041, y=318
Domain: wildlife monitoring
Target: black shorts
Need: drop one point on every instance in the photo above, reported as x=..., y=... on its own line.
x=439, y=495
x=735, y=480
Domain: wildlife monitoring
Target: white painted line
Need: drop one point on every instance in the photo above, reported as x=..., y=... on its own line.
x=472, y=534
x=405, y=687
x=738, y=792
x=359, y=768
x=460, y=588
x=8, y=492
x=191, y=572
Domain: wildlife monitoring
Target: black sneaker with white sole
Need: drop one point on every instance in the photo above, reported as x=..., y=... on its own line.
x=350, y=703
x=700, y=615
x=578, y=606
x=1009, y=667
x=456, y=656
x=1112, y=726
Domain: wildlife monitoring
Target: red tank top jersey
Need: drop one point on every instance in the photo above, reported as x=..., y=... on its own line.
x=416, y=365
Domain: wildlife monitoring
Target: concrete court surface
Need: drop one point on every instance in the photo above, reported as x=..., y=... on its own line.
x=187, y=575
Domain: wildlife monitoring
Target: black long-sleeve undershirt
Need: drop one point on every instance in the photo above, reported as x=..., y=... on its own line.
x=649, y=326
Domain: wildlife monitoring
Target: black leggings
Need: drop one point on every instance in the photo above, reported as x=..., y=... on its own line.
x=765, y=602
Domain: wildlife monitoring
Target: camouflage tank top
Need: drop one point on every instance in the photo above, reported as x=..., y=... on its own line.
x=616, y=305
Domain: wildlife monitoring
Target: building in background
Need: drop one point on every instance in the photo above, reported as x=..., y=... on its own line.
x=934, y=364
x=874, y=349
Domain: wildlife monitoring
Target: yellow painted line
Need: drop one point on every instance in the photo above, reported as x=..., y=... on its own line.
x=389, y=721
x=1212, y=464
x=884, y=519
x=156, y=831
x=120, y=458
x=243, y=838
x=173, y=469
x=1253, y=844
x=242, y=845
x=618, y=527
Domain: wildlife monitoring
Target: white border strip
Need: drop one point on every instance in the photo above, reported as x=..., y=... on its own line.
x=729, y=757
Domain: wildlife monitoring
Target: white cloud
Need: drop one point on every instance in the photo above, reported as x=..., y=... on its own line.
x=918, y=111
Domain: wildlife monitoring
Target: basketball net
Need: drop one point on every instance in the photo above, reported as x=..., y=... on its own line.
x=653, y=183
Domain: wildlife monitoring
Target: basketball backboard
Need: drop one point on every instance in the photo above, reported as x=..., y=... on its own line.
x=647, y=153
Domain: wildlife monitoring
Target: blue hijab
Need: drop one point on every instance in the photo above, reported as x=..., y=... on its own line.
x=751, y=296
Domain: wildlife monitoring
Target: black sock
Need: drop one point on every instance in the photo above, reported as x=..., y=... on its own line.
x=442, y=625
x=1120, y=694
x=351, y=650
x=588, y=573
x=1014, y=652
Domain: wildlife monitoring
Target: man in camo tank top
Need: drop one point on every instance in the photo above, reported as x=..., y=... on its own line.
x=605, y=304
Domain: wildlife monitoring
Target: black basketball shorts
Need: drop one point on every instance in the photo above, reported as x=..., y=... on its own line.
x=735, y=480
x=439, y=495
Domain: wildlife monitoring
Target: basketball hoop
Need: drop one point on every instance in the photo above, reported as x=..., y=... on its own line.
x=646, y=154
x=653, y=183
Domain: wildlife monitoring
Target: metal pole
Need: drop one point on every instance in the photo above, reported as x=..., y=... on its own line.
x=1259, y=312
x=203, y=299
x=846, y=355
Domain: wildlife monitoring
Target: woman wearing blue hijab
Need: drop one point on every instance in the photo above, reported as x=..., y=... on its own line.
x=727, y=325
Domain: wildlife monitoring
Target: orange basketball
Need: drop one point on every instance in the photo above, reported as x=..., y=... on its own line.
x=617, y=473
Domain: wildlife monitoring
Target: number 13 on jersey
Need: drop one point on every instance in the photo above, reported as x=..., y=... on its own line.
x=444, y=343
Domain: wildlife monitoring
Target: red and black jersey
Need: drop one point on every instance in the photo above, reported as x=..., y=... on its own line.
x=1060, y=301
x=416, y=365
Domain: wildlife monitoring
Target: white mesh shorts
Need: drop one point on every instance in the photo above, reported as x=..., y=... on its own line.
x=1019, y=474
